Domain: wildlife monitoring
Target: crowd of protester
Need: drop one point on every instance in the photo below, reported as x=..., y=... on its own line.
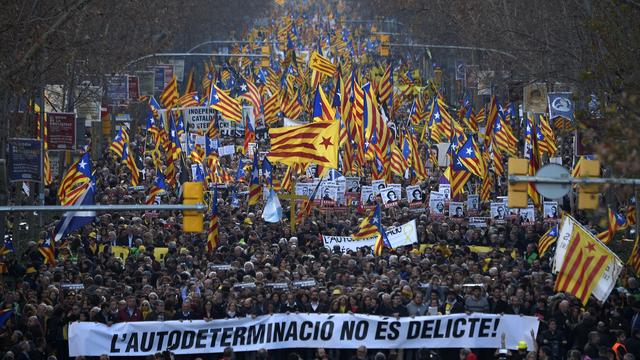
x=440, y=275
x=454, y=269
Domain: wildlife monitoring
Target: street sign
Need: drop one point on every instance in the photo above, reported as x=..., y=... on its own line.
x=553, y=191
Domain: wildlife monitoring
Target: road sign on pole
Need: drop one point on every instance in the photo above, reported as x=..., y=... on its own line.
x=553, y=191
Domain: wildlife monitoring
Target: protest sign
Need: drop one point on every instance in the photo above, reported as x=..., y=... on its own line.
x=282, y=331
x=436, y=204
x=377, y=185
x=198, y=118
x=498, y=210
x=472, y=203
x=445, y=189
x=550, y=210
x=527, y=215
x=456, y=210
x=414, y=195
x=367, y=196
x=88, y=103
x=226, y=150
x=353, y=184
x=403, y=235
x=478, y=222
x=145, y=82
x=347, y=243
x=390, y=195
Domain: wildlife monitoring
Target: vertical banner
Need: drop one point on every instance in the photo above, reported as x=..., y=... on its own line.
x=24, y=160
x=134, y=88
x=535, y=98
x=61, y=129
x=158, y=80
x=146, y=81
x=117, y=89
x=88, y=103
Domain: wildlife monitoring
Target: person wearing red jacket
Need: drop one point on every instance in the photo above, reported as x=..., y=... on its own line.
x=131, y=312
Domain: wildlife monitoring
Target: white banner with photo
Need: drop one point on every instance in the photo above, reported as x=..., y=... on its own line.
x=456, y=210
x=436, y=203
x=377, y=185
x=550, y=210
x=414, y=194
x=283, y=331
x=367, y=197
x=391, y=194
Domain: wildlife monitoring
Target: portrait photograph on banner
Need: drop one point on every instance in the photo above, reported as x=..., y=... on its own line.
x=377, y=186
x=499, y=211
x=414, y=195
x=436, y=204
x=551, y=210
x=367, y=197
x=353, y=184
x=390, y=196
x=473, y=202
x=456, y=210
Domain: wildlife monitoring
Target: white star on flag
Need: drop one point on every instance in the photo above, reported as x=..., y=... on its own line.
x=82, y=164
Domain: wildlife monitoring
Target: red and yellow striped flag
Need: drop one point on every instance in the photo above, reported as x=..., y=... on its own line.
x=169, y=96
x=634, y=259
x=322, y=64
x=584, y=263
x=214, y=227
x=229, y=107
x=315, y=143
x=271, y=109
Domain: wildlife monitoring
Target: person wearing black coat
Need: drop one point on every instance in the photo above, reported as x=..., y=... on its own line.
x=105, y=316
x=185, y=312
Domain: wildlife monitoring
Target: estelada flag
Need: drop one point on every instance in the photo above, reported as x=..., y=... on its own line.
x=315, y=143
x=584, y=263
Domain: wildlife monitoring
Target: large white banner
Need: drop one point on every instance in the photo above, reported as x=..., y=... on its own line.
x=281, y=331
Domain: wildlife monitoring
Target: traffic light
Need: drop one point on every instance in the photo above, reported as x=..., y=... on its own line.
x=517, y=193
x=193, y=194
x=384, y=49
x=437, y=77
x=588, y=194
x=265, y=61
